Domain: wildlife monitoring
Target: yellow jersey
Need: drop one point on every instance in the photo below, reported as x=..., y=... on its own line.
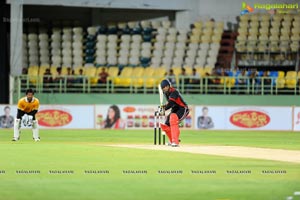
x=26, y=106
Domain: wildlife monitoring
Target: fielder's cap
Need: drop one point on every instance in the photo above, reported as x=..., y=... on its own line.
x=165, y=83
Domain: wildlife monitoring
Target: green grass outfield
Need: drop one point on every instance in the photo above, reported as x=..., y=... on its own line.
x=80, y=150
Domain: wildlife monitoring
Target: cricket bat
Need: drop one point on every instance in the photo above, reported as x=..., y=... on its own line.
x=161, y=95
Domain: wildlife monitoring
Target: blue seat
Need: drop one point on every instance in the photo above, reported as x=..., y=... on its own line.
x=237, y=73
x=273, y=75
x=90, y=52
x=90, y=44
x=230, y=73
x=112, y=30
x=145, y=62
x=248, y=73
x=89, y=59
x=147, y=31
x=136, y=30
x=259, y=75
x=126, y=31
x=147, y=38
x=102, y=30
x=100, y=65
x=91, y=38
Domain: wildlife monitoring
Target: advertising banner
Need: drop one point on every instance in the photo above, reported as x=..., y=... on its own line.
x=142, y=117
x=243, y=118
x=296, y=119
x=7, y=115
x=259, y=118
x=65, y=116
x=130, y=117
x=54, y=116
x=210, y=117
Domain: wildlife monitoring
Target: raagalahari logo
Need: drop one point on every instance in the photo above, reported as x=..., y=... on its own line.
x=246, y=8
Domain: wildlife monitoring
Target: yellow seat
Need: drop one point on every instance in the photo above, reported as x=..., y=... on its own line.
x=208, y=69
x=33, y=72
x=53, y=70
x=291, y=79
x=124, y=79
x=177, y=70
x=188, y=70
x=230, y=81
x=160, y=75
x=291, y=74
x=281, y=74
x=112, y=73
x=148, y=76
x=157, y=76
x=91, y=73
x=194, y=39
x=280, y=81
x=198, y=25
x=200, y=71
x=149, y=71
x=137, y=74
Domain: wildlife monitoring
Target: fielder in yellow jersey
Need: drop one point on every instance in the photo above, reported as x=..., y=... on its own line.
x=27, y=108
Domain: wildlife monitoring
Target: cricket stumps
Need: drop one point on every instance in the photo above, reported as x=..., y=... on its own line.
x=159, y=138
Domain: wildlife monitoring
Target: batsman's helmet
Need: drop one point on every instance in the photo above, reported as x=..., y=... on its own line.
x=165, y=83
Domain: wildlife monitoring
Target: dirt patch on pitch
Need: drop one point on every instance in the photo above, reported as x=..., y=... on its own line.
x=230, y=151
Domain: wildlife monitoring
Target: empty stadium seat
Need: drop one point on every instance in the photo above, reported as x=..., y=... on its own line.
x=124, y=79
x=90, y=72
x=280, y=81
x=33, y=72
x=291, y=79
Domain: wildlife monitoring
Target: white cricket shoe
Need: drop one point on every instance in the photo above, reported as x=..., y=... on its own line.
x=37, y=139
x=174, y=145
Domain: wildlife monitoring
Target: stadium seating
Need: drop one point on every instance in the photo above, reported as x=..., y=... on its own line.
x=129, y=48
x=261, y=32
x=145, y=43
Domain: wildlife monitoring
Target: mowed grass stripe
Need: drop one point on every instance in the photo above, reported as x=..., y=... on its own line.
x=280, y=140
x=117, y=185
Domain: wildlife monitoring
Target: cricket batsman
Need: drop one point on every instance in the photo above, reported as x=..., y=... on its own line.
x=27, y=108
x=179, y=111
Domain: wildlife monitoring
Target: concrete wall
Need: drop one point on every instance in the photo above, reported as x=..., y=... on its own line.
x=188, y=11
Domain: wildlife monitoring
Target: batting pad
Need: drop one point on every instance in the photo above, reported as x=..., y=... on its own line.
x=35, y=130
x=17, y=127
